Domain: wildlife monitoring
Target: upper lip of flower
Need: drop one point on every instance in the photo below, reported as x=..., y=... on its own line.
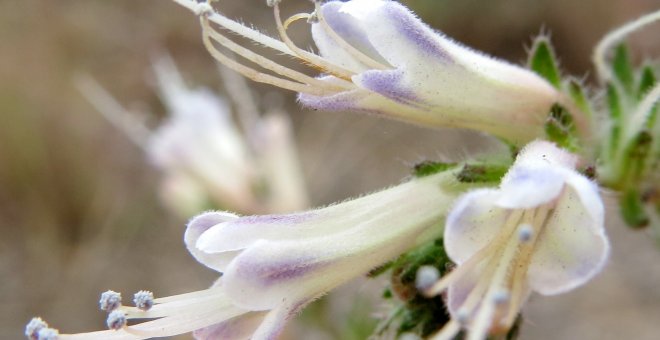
x=542, y=230
x=378, y=57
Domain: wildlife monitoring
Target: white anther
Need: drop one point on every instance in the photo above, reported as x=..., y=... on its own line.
x=48, y=334
x=203, y=8
x=110, y=301
x=463, y=316
x=501, y=297
x=33, y=327
x=525, y=233
x=426, y=276
x=143, y=300
x=116, y=320
x=272, y=3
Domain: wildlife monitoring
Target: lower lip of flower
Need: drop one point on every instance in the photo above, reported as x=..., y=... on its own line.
x=492, y=305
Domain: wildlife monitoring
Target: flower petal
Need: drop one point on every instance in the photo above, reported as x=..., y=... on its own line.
x=573, y=247
x=238, y=328
x=527, y=187
x=474, y=221
x=350, y=30
x=196, y=227
x=277, y=318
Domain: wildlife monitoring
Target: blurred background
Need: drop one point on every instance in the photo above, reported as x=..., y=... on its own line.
x=79, y=205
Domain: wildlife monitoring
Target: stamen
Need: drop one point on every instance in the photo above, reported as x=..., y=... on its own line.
x=238, y=28
x=110, y=301
x=518, y=279
x=311, y=58
x=116, y=320
x=251, y=73
x=525, y=233
x=501, y=297
x=144, y=300
x=33, y=327
x=271, y=65
x=612, y=38
x=509, y=226
x=426, y=276
x=48, y=334
x=357, y=54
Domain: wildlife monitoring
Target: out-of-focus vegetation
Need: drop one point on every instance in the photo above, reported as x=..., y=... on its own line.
x=79, y=211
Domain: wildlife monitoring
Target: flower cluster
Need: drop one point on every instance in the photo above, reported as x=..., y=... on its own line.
x=537, y=226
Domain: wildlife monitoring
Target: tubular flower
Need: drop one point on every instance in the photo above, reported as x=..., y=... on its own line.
x=206, y=157
x=541, y=231
x=378, y=57
x=273, y=265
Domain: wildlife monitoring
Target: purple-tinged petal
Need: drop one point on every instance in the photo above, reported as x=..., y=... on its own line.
x=238, y=328
x=572, y=247
x=350, y=30
x=196, y=227
x=528, y=187
x=474, y=221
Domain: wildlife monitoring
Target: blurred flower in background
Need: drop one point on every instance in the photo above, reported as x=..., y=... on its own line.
x=209, y=158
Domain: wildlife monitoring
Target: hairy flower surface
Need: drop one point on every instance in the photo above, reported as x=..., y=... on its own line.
x=274, y=265
x=541, y=231
x=378, y=57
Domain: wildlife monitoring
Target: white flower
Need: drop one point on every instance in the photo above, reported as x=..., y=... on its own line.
x=541, y=231
x=378, y=57
x=274, y=265
x=205, y=157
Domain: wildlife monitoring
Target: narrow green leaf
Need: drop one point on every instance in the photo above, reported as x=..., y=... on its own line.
x=636, y=158
x=632, y=210
x=543, y=62
x=616, y=115
x=560, y=129
x=646, y=81
x=579, y=97
x=623, y=70
x=428, y=168
x=482, y=173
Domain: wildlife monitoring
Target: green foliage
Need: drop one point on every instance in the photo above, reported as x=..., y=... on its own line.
x=543, y=62
x=615, y=109
x=559, y=128
x=419, y=314
x=632, y=209
x=428, y=168
x=623, y=69
x=482, y=173
x=579, y=97
x=646, y=81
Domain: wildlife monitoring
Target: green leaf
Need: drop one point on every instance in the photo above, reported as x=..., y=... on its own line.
x=632, y=210
x=560, y=129
x=482, y=173
x=579, y=97
x=616, y=115
x=636, y=158
x=623, y=70
x=646, y=81
x=543, y=62
x=428, y=168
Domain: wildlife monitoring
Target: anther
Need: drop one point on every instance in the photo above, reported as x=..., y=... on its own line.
x=143, y=300
x=48, y=334
x=110, y=301
x=501, y=297
x=313, y=18
x=463, y=316
x=33, y=327
x=426, y=276
x=272, y=3
x=116, y=320
x=203, y=8
x=525, y=233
